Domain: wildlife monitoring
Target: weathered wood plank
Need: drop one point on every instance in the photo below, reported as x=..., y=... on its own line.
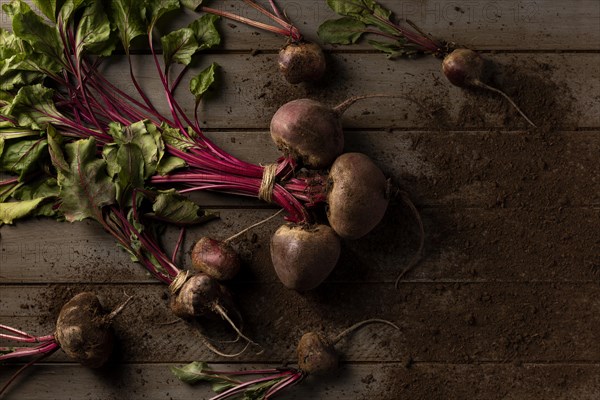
x=251, y=91
x=496, y=25
x=456, y=169
x=462, y=169
x=443, y=322
x=382, y=381
x=462, y=245
x=491, y=26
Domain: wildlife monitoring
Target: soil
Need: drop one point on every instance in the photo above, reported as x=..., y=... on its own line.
x=508, y=281
x=528, y=83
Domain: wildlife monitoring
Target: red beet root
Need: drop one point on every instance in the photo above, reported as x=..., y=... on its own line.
x=302, y=62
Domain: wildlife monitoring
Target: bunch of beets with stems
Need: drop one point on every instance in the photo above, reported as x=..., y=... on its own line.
x=80, y=147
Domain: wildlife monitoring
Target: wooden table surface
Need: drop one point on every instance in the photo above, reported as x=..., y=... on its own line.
x=506, y=303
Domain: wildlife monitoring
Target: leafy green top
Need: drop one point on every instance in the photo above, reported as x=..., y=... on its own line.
x=367, y=17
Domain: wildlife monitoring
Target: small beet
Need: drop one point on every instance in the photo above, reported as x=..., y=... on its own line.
x=83, y=330
x=465, y=68
x=304, y=256
x=215, y=258
x=358, y=195
x=302, y=62
x=316, y=354
x=198, y=296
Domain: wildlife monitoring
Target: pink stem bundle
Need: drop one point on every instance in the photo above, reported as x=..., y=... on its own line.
x=285, y=28
x=46, y=345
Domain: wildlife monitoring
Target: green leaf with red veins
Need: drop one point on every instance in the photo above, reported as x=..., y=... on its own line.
x=203, y=81
x=47, y=7
x=358, y=8
x=179, y=46
x=31, y=28
x=17, y=57
x=129, y=18
x=257, y=391
x=365, y=11
x=13, y=210
x=341, y=31
x=125, y=164
x=191, y=4
x=94, y=31
x=32, y=107
x=12, y=76
x=146, y=136
x=46, y=189
x=175, y=138
x=398, y=49
x=9, y=44
x=68, y=9
x=206, y=32
x=55, y=141
x=85, y=187
x=168, y=164
x=155, y=9
x=23, y=157
x=173, y=207
x=131, y=175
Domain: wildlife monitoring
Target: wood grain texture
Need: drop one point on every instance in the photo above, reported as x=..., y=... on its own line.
x=463, y=322
x=360, y=382
x=505, y=304
x=462, y=245
x=248, y=100
x=493, y=25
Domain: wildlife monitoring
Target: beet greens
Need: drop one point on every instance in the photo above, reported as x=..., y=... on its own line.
x=67, y=91
x=462, y=67
x=82, y=148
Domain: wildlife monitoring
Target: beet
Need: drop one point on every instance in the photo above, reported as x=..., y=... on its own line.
x=302, y=62
x=358, y=195
x=215, y=258
x=304, y=256
x=311, y=132
x=308, y=131
x=83, y=330
x=465, y=68
x=199, y=295
x=316, y=354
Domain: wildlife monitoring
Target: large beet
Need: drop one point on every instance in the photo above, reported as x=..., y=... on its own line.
x=83, y=330
x=308, y=131
x=358, y=195
x=304, y=256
